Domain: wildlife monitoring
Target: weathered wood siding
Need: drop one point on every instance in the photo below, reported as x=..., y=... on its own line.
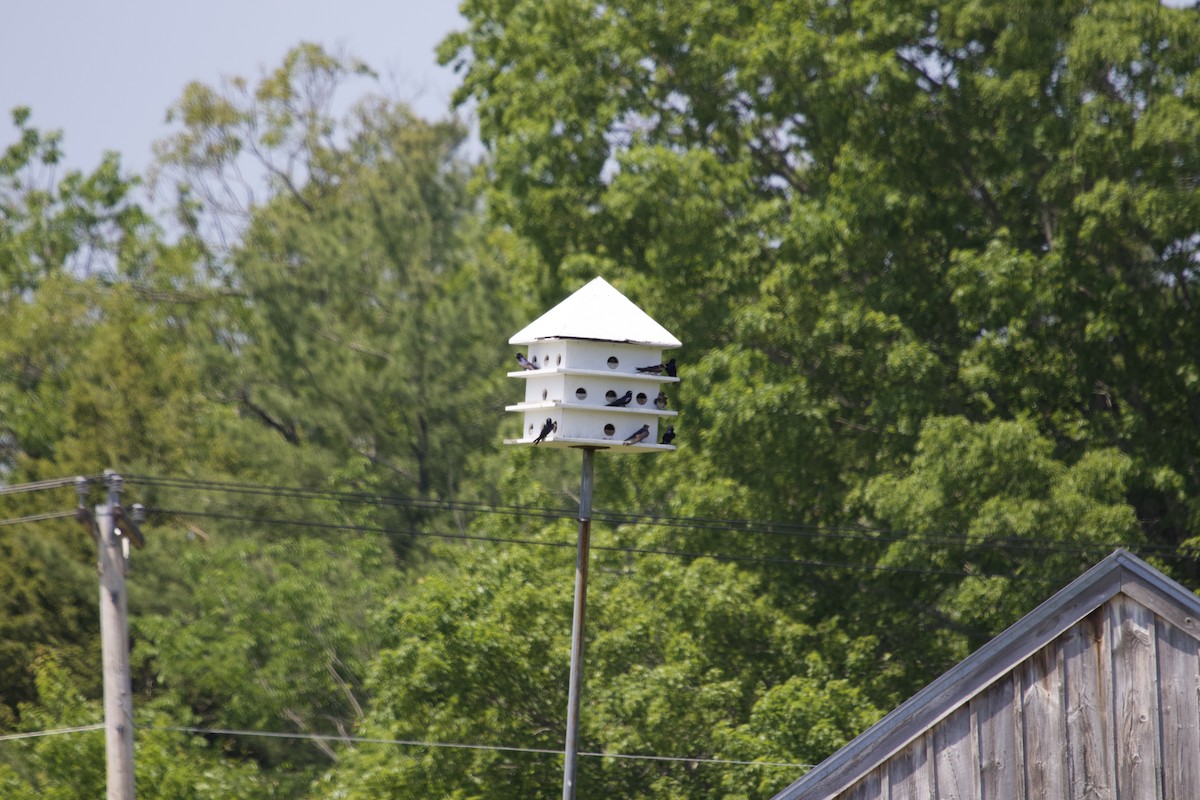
x=1109, y=709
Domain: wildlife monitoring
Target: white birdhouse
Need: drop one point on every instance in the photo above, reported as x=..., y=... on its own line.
x=595, y=375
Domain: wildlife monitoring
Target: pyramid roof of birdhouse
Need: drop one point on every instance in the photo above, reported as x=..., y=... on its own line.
x=598, y=312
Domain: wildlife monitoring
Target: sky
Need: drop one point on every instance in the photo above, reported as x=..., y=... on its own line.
x=106, y=71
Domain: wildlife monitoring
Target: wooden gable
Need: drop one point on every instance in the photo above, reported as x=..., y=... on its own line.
x=1094, y=694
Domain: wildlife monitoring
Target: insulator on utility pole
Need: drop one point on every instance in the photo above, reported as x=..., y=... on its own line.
x=82, y=512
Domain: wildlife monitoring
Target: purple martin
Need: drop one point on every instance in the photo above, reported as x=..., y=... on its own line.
x=621, y=401
x=658, y=369
x=639, y=435
x=660, y=402
x=668, y=435
x=550, y=427
x=525, y=362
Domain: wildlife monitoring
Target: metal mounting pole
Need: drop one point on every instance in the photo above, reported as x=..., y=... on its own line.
x=114, y=645
x=581, y=570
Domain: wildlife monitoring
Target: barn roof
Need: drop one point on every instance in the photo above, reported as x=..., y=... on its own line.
x=1120, y=573
x=599, y=312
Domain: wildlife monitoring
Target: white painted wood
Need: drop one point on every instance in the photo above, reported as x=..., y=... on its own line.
x=576, y=379
x=597, y=311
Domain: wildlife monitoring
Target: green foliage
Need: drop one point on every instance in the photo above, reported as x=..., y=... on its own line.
x=71, y=766
x=935, y=268
x=679, y=656
x=988, y=494
x=349, y=338
x=368, y=311
x=79, y=223
x=88, y=377
x=875, y=215
x=269, y=637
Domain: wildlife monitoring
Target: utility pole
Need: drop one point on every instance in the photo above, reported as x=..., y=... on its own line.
x=114, y=531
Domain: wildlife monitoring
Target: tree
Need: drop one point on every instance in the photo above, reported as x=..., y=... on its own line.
x=58, y=233
x=677, y=656
x=89, y=378
x=934, y=265
x=272, y=637
x=369, y=300
x=819, y=197
x=70, y=766
x=103, y=375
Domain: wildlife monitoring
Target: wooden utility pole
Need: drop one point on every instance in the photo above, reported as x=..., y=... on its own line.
x=112, y=541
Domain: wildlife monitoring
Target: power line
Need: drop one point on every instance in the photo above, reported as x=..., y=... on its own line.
x=804, y=563
x=37, y=517
x=8, y=737
x=52, y=483
x=338, y=526
x=874, y=535
x=320, y=737
x=323, y=737
x=755, y=527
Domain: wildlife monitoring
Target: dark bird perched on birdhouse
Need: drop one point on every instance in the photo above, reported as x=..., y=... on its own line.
x=550, y=427
x=525, y=362
x=621, y=401
x=639, y=436
x=660, y=402
x=668, y=435
x=658, y=369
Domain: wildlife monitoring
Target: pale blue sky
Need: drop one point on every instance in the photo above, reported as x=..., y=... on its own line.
x=105, y=71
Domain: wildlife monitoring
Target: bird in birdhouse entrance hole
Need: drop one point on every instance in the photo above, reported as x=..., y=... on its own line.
x=525, y=362
x=668, y=435
x=550, y=427
x=622, y=401
x=658, y=369
x=660, y=402
x=639, y=436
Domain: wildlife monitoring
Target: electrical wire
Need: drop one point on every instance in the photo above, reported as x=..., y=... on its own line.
x=323, y=737
x=873, y=535
x=754, y=527
x=8, y=737
x=804, y=563
x=378, y=500
x=37, y=518
x=860, y=533
x=52, y=483
x=319, y=737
